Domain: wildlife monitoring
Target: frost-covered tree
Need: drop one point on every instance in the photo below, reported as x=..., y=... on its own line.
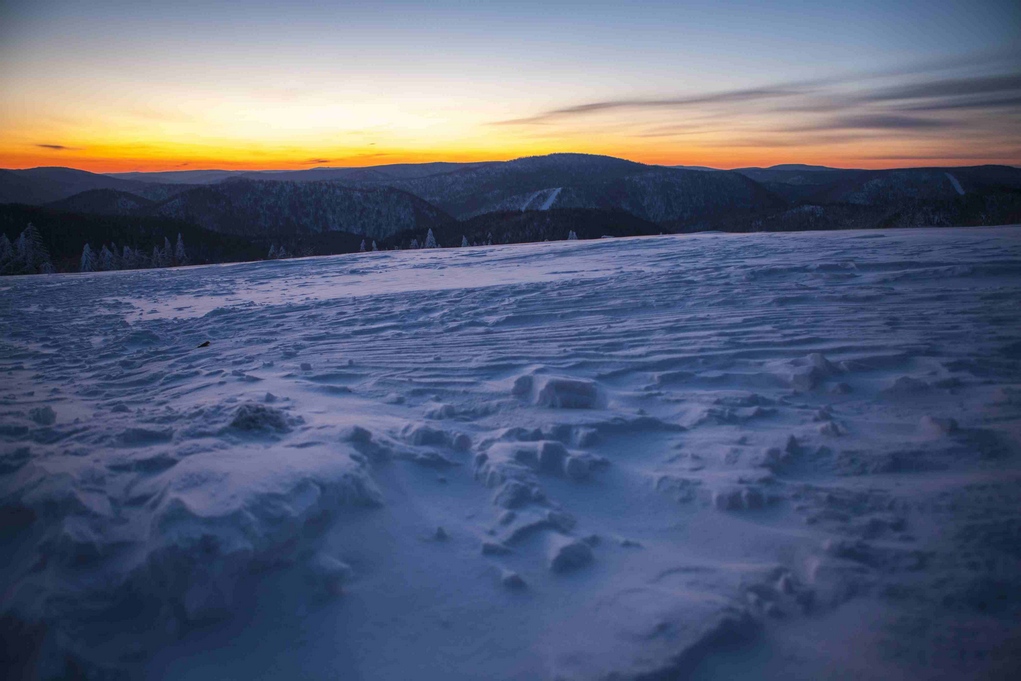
x=361, y=249
x=6, y=254
x=180, y=255
x=282, y=253
x=168, y=253
x=128, y=259
x=374, y=247
x=572, y=236
x=464, y=241
x=272, y=252
x=430, y=240
x=106, y=262
x=88, y=261
x=157, y=257
x=413, y=244
x=29, y=252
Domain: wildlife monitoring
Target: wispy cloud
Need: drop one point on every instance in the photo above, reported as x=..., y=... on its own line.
x=975, y=96
x=57, y=147
x=730, y=97
x=317, y=161
x=875, y=122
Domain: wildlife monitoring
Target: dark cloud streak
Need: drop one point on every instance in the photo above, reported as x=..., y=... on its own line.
x=924, y=101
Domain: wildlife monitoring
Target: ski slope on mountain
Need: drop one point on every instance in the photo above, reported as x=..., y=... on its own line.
x=714, y=456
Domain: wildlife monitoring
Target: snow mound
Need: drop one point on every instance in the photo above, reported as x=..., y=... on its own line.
x=568, y=393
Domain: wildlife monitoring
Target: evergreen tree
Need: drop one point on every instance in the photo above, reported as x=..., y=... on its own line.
x=157, y=257
x=430, y=240
x=464, y=241
x=128, y=260
x=30, y=253
x=572, y=236
x=413, y=244
x=6, y=254
x=88, y=262
x=180, y=255
x=361, y=249
x=272, y=252
x=106, y=262
x=374, y=248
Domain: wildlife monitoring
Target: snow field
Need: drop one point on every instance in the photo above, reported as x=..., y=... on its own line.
x=641, y=458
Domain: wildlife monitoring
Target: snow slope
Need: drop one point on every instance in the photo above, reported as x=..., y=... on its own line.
x=713, y=456
x=957, y=185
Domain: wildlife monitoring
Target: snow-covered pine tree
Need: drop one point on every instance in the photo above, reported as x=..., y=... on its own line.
x=374, y=247
x=572, y=236
x=361, y=249
x=430, y=240
x=106, y=262
x=88, y=261
x=6, y=254
x=168, y=253
x=128, y=260
x=180, y=255
x=464, y=241
x=413, y=244
x=157, y=257
x=21, y=251
x=272, y=252
x=29, y=251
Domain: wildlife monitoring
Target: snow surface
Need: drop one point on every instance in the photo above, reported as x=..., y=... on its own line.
x=957, y=185
x=713, y=456
x=541, y=200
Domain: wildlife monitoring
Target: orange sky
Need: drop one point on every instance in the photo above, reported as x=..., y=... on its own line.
x=111, y=85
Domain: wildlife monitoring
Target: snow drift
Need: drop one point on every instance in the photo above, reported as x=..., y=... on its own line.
x=673, y=457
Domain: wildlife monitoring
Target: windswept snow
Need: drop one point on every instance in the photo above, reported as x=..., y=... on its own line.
x=669, y=457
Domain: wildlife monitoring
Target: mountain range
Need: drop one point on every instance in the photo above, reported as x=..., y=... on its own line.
x=522, y=199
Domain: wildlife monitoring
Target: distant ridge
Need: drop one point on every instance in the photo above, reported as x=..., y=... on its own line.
x=329, y=210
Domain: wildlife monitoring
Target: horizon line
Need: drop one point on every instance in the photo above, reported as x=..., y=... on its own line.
x=507, y=160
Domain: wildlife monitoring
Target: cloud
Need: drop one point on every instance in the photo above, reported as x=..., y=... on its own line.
x=875, y=122
x=951, y=88
x=974, y=100
x=1008, y=155
x=317, y=161
x=57, y=147
x=727, y=97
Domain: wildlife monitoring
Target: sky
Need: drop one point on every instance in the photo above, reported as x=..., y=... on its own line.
x=113, y=85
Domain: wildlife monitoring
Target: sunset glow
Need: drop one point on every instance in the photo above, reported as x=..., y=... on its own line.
x=116, y=86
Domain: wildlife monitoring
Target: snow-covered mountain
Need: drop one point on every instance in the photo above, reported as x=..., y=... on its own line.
x=655, y=193
x=265, y=208
x=36, y=186
x=103, y=202
x=404, y=199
